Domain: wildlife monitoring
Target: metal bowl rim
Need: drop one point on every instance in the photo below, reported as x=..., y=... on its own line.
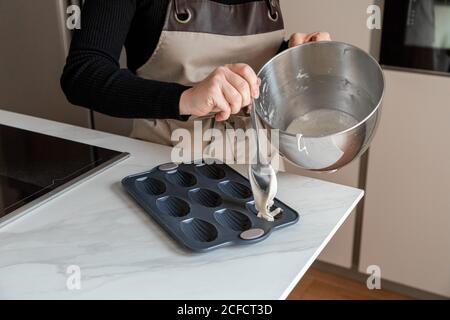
x=327, y=42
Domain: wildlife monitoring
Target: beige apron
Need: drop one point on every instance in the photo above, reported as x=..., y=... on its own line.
x=198, y=36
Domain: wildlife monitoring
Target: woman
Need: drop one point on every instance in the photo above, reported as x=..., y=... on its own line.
x=187, y=60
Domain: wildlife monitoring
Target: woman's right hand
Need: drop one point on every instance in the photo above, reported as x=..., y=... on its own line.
x=226, y=91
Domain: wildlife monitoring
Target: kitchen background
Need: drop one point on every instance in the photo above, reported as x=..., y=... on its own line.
x=402, y=225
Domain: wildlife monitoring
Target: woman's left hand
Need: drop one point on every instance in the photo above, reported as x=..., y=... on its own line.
x=301, y=38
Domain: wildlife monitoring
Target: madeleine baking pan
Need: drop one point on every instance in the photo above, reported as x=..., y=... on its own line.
x=204, y=207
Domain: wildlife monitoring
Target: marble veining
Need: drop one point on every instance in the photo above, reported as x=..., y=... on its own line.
x=123, y=254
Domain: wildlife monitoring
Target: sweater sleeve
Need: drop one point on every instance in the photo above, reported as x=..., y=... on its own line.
x=92, y=77
x=284, y=46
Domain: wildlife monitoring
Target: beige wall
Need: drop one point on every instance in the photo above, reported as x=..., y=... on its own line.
x=345, y=20
x=34, y=44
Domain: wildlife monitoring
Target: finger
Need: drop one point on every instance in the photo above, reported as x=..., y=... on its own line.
x=222, y=116
x=318, y=36
x=297, y=39
x=241, y=86
x=311, y=36
x=222, y=104
x=233, y=96
x=322, y=36
x=246, y=72
x=249, y=107
x=217, y=102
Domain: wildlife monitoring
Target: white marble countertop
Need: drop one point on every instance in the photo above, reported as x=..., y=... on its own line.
x=123, y=254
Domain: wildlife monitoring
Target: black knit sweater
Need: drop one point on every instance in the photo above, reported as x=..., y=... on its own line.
x=92, y=77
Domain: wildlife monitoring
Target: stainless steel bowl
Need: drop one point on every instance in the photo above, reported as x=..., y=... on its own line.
x=334, y=91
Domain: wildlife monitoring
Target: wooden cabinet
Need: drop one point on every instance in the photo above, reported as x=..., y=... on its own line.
x=406, y=226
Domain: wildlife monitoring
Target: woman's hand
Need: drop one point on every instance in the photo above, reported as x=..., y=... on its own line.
x=226, y=91
x=301, y=38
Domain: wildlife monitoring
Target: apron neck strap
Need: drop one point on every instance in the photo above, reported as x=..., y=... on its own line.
x=272, y=5
x=181, y=7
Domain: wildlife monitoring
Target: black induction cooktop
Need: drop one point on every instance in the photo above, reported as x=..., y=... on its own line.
x=35, y=167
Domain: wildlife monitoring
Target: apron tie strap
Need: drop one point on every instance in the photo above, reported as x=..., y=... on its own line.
x=183, y=14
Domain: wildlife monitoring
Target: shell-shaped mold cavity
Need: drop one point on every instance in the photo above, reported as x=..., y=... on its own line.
x=233, y=219
x=199, y=230
x=235, y=189
x=205, y=197
x=182, y=178
x=213, y=171
x=173, y=206
x=251, y=207
x=151, y=186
